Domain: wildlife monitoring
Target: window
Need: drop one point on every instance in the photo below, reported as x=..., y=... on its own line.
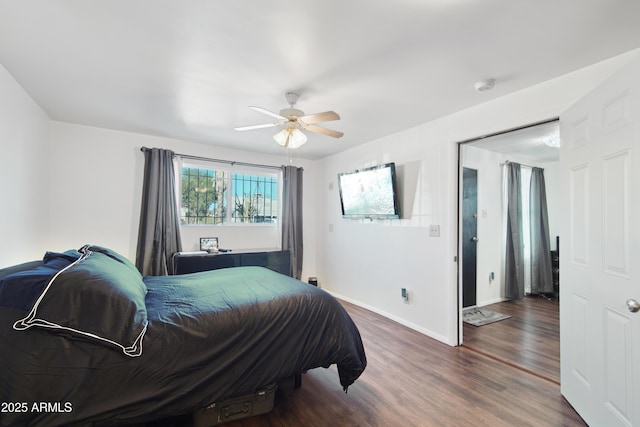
x=204, y=196
x=218, y=196
x=255, y=198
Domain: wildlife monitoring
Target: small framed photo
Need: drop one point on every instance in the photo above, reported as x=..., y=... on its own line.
x=209, y=244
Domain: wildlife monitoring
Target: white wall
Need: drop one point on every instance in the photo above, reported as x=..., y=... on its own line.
x=23, y=177
x=95, y=187
x=368, y=263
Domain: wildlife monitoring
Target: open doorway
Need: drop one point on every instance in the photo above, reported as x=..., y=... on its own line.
x=531, y=333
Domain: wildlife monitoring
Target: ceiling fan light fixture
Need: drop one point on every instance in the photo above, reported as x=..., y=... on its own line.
x=292, y=120
x=290, y=138
x=281, y=137
x=297, y=138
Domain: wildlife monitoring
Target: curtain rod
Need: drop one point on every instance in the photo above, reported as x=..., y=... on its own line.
x=526, y=166
x=228, y=162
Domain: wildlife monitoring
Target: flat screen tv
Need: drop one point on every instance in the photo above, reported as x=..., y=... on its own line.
x=369, y=193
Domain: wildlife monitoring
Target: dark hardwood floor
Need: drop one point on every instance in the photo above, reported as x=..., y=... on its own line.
x=413, y=380
x=530, y=339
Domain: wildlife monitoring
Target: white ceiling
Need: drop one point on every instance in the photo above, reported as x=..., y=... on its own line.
x=529, y=144
x=189, y=69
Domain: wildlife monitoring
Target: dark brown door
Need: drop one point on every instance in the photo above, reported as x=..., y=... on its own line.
x=469, y=235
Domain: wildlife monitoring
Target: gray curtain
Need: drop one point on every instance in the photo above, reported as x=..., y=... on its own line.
x=514, y=257
x=292, y=216
x=541, y=270
x=159, y=231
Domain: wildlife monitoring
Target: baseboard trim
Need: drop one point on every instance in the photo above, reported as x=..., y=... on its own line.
x=395, y=318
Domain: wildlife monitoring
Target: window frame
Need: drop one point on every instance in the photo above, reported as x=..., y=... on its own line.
x=231, y=169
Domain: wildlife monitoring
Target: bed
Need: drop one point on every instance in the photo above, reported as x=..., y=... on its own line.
x=86, y=340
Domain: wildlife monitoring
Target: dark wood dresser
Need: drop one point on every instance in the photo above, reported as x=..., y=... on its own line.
x=193, y=262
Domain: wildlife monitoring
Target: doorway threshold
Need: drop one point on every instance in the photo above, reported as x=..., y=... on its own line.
x=511, y=364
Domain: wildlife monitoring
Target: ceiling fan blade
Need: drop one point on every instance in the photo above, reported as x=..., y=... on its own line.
x=327, y=116
x=268, y=113
x=252, y=127
x=324, y=131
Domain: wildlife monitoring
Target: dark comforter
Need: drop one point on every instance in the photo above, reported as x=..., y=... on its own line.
x=210, y=335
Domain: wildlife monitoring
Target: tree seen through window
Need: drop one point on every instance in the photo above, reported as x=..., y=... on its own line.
x=216, y=197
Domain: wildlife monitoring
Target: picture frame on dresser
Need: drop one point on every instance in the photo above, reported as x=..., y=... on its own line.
x=209, y=244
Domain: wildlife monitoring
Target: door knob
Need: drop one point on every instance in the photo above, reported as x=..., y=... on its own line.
x=474, y=239
x=633, y=305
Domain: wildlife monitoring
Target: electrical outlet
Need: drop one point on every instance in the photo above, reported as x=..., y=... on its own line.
x=434, y=230
x=405, y=295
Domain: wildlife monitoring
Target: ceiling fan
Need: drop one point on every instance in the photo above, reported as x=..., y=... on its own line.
x=292, y=120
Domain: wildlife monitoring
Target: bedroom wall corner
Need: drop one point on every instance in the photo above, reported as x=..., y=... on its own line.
x=24, y=128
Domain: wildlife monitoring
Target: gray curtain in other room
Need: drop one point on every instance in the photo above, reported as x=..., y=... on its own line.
x=159, y=231
x=514, y=257
x=541, y=269
x=292, y=216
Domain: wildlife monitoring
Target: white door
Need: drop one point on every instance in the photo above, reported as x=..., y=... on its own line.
x=600, y=252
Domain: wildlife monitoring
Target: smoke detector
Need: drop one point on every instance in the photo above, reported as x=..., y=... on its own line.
x=485, y=85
